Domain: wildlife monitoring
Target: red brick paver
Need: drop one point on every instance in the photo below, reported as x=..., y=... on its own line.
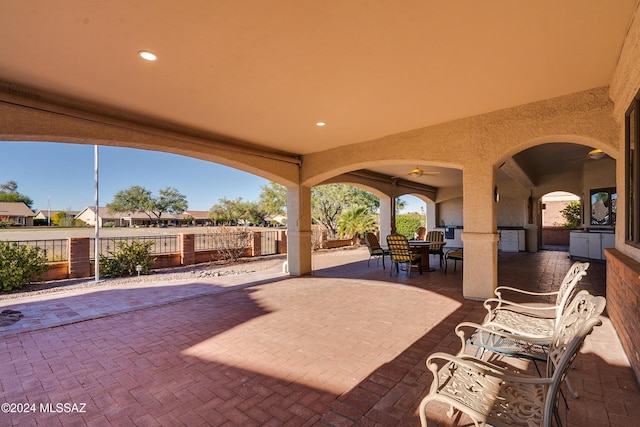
x=345, y=346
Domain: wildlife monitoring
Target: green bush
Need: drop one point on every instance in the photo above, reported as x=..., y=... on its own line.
x=572, y=214
x=20, y=265
x=408, y=224
x=123, y=260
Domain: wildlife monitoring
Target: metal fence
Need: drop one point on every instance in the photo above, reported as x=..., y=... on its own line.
x=269, y=242
x=58, y=249
x=161, y=244
x=55, y=249
x=218, y=241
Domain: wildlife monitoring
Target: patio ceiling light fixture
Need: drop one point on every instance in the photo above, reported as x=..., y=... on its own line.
x=320, y=124
x=148, y=56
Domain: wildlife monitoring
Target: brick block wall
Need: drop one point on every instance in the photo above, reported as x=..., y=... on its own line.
x=555, y=236
x=188, y=251
x=623, y=297
x=256, y=244
x=57, y=271
x=79, y=261
x=282, y=242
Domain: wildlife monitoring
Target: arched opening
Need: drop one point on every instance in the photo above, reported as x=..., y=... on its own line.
x=561, y=212
x=60, y=175
x=537, y=182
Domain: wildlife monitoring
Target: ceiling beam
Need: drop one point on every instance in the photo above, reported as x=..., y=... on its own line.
x=511, y=168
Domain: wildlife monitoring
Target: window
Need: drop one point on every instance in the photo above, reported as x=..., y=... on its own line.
x=603, y=206
x=632, y=172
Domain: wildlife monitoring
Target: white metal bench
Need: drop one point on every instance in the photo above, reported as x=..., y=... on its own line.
x=493, y=395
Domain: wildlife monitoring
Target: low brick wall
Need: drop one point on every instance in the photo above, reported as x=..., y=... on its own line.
x=556, y=236
x=57, y=271
x=79, y=264
x=337, y=243
x=166, y=261
x=623, y=302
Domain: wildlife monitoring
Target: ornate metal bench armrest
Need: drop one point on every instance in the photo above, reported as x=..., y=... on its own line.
x=503, y=304
x=500, y=333
x=474, y=366
x=498, y=291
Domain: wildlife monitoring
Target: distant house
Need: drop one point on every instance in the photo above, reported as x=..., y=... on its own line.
x=17, y=213
x=138, y=219
x=119, y=219
x=88, y=215
x=44, y=215
x=199, y=217
x=278, y=218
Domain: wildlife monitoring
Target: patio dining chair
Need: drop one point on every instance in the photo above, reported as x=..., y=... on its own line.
x=454, y=254
x=400, y=253
x=498, y=396
x=375, y=250
x=436, y=236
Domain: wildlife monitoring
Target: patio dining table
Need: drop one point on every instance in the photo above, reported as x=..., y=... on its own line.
x=423, y=246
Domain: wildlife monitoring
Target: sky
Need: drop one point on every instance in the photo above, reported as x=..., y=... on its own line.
x=60, y=176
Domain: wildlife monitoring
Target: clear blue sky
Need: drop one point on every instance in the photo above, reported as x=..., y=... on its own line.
x=62, y=175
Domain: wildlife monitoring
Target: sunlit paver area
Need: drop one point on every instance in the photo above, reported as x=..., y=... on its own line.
x=345, y=346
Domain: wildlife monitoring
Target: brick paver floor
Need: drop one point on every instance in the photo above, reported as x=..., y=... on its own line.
x=345, y=346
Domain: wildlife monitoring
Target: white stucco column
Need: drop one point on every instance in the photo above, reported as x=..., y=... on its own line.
x=299, y=230
x=386, y=207
x=431, y=216
x=480, y=238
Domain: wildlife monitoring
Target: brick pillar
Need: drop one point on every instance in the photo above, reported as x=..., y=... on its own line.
x=282, y=242
x=79, y=262
x=188, y=249
x=256, y=244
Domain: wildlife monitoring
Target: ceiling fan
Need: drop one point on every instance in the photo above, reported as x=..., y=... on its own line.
x=596, y=154
x=593, y=154
x=417, y=172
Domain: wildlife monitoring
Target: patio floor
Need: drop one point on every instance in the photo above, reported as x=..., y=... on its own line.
x=345, y=346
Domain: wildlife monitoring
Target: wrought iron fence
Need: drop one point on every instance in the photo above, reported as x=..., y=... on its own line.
x=269, y=242
x=218, y=240
x=58, y=249
x=54, y=249
x=162, y=244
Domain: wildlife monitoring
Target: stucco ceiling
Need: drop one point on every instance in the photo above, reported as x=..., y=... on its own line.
x=265, y=72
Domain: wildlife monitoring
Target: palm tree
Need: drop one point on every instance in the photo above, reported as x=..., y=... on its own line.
x=355, y=221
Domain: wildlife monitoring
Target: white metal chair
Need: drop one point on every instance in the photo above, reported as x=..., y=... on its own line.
x=493, y=395
x=533, y=319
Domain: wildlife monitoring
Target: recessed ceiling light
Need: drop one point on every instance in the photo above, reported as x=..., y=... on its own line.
x=146, y=55
x=320, y=124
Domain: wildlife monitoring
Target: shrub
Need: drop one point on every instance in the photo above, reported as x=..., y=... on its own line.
x=572, y=214
x=20, y=265
x=122, y=261
x=408, y=224
x=231, y=242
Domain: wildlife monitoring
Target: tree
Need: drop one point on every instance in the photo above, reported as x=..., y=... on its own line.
x=9, y=187
x=328, y=202
x=572, y=214
x=236, y=211
x=171, y=201
x=355, y=221
x=137, y=199
x=273, y=199
x=8, y=193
